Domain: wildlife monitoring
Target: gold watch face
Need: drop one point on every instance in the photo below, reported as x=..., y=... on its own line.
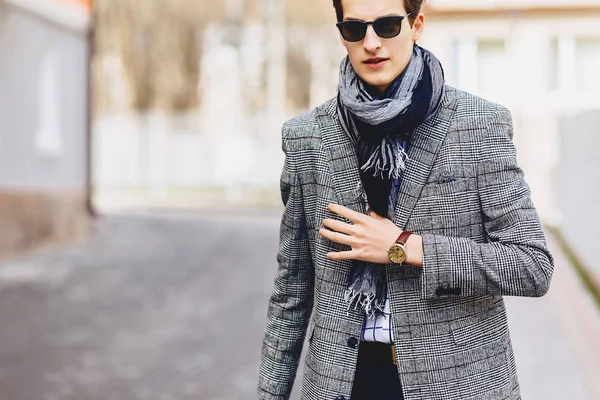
x=397, y=254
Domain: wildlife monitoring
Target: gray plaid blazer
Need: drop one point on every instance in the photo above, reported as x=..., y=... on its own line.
x=482, y=239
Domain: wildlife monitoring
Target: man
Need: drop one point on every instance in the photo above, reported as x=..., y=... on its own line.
x=406, y=220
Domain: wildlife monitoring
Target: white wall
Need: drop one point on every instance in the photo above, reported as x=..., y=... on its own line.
x=43, y=104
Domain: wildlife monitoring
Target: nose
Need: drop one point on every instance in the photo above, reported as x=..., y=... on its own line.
x=371, y=42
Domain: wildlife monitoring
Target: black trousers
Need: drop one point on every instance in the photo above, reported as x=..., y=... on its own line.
x=376, y=376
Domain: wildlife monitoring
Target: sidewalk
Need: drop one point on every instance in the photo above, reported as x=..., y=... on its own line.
x=556, y=338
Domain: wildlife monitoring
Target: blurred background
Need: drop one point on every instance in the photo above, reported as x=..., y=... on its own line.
x=139, y=182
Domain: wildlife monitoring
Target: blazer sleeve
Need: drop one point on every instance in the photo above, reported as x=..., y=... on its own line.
x=515, y=261
x=291, y=302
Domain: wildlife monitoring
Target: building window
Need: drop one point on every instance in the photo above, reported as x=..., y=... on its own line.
x=464, y=74
x=553, y=65
x=481, y=67
x=587, y=65
x=492, y=69
x=48, y=138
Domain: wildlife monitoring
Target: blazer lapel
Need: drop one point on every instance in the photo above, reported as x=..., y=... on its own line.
x=423, y=148
x=343, y=163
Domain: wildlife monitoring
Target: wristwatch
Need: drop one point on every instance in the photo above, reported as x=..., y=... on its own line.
x=397, y=252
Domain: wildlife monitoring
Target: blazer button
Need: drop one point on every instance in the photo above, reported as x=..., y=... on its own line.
x=353, y=342
x=340, y=398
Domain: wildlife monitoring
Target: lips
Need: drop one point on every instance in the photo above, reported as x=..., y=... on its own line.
x=375, y=60
x=375, y=63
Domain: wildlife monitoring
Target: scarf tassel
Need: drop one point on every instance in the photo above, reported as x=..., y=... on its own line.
x=366, y=301
x=384, y=164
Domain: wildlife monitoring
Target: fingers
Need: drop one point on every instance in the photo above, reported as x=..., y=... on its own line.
x=343, y=255
x=375, y=215
x=346, y=212
x=351, y=214
x=339, y=226
x=336, y=237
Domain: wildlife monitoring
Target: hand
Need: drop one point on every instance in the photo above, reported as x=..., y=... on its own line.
x=369, y=237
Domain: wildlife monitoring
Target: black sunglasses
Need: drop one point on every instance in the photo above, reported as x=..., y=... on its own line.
x=384, y=27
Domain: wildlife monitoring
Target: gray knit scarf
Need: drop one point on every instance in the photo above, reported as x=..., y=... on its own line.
x=377, y=125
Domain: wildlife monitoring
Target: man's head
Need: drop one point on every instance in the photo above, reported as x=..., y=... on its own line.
x=379, y=61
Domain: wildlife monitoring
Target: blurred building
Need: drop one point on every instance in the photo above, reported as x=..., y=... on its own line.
x=44, y=121
x=539, y=58
x=259, y=63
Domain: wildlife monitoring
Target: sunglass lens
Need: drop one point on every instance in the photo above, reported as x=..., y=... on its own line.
x=354, y=31
x=388, y=27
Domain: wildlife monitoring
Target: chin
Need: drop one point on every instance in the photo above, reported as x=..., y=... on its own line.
x=378, y=81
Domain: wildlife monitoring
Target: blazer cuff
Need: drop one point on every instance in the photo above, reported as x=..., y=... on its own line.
x=268, y=390
x=447, y=267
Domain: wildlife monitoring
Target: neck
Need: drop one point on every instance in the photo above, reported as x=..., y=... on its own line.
x=383, y=92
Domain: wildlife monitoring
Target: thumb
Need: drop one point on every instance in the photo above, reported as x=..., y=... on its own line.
x=375, y=215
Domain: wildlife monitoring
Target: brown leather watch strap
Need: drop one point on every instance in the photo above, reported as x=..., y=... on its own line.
x=403, y=238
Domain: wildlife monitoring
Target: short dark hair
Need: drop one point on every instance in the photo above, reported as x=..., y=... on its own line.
x=412, y=6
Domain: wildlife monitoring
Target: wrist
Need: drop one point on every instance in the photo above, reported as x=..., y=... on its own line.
x=414, y=250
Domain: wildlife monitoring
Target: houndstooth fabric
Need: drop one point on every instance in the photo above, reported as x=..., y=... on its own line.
x=465, y=194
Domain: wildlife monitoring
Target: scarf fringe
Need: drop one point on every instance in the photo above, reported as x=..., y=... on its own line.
x=382, y=164
x=367, y=302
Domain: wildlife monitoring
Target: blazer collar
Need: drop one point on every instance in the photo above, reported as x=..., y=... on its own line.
x=423, y=148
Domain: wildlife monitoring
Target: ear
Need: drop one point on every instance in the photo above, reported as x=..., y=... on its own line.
x=342, y=41
x=418, y=25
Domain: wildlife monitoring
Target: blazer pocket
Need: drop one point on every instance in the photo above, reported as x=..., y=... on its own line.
x=482, y=328
x=459, y=185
